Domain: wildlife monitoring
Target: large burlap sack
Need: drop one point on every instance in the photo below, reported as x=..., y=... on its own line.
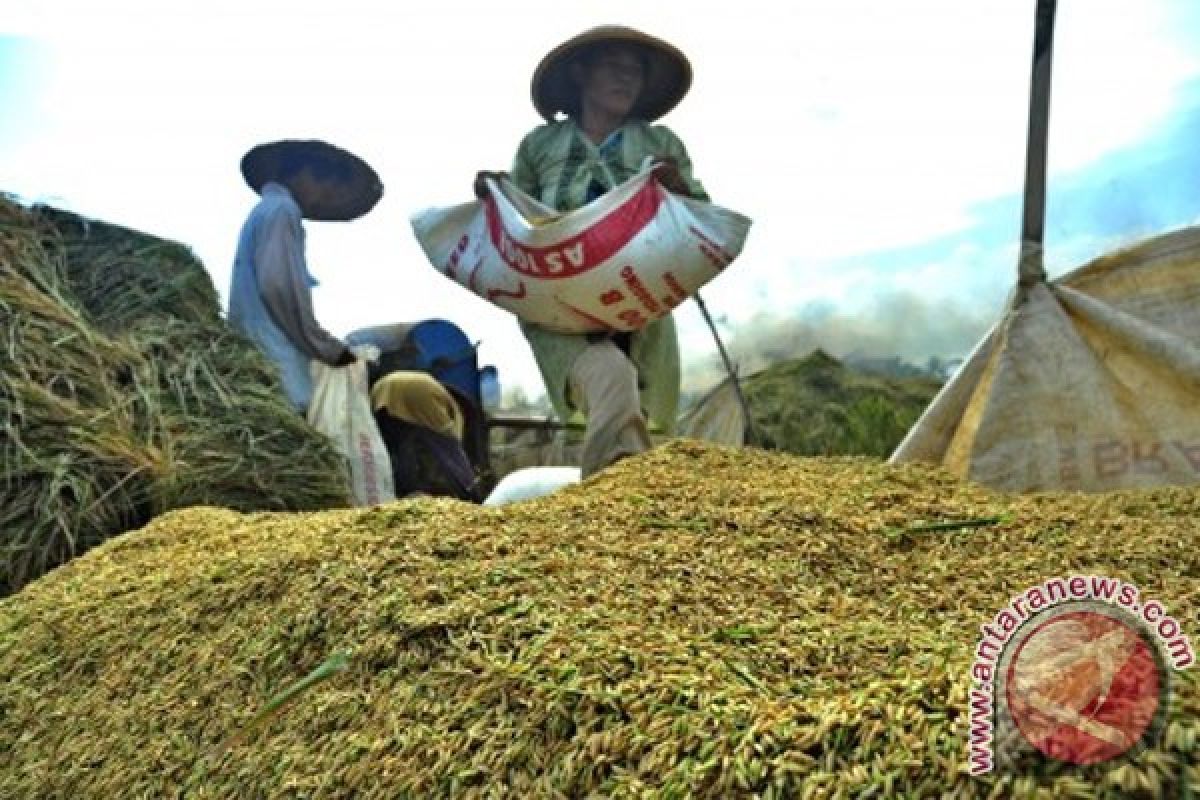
x=341, y=409
x=616, y=264
x=1091, y=382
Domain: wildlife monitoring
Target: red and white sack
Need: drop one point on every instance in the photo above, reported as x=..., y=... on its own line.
x=623, y=260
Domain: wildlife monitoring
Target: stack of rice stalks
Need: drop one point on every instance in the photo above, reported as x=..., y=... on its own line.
x=693, y=622
x=818, y=406
x=123, y=394
x=121, y=277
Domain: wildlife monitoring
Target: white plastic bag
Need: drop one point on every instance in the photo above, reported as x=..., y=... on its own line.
x=616, y=264
x=531, y=482
x=341, y=409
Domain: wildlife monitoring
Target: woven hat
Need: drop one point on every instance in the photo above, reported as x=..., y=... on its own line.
x=357, y=187
x=668, y=73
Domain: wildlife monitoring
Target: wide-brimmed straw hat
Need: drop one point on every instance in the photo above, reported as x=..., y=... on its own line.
x=668, y=73
x=357, y=186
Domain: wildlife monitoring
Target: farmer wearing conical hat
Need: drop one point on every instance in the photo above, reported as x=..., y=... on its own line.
x=270, y=298
x=611, y=84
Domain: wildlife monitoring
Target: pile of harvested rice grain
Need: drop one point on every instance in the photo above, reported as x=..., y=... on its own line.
x=694, y=622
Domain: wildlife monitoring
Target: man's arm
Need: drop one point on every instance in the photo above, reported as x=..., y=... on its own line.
x=678, y=172
x=283, y=286
x=523, y=174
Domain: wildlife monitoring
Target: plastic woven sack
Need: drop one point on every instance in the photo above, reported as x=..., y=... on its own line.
x=341, y=409
x=614, y=265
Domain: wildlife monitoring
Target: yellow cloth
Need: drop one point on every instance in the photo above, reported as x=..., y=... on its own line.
x=418, y=398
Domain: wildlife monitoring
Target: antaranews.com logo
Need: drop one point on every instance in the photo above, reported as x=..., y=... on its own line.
x=1076, y=668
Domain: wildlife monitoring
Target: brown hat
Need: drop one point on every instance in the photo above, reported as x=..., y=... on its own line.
x=357, y=190
x=668, y=73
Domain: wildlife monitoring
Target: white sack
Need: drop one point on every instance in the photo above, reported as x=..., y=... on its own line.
x=341, y=409
x=616, y=264
x=531, y=482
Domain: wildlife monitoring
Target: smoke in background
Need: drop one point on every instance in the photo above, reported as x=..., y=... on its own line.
x=894, y=325
x=1131, y=193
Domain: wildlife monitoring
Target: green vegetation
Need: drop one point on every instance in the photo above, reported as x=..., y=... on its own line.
x=817, y=406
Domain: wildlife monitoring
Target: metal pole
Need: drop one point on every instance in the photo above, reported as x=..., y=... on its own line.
x=1030, y=267
x=751, y=432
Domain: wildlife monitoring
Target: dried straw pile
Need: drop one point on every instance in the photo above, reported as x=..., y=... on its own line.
x=816, y=405
x=693, y=622
x=121, y=277
x=123, y=394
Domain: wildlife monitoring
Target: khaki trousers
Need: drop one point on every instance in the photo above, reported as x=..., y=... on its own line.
x=603, y=383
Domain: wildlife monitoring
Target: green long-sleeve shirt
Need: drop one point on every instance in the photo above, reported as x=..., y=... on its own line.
x=557, y=164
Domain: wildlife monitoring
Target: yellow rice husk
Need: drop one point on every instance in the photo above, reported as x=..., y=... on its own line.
x=695, y=622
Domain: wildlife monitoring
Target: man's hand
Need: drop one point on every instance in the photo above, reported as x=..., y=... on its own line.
x=668, y=174
x=481, y=181
x=345, y=359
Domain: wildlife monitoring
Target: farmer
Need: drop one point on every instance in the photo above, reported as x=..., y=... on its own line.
x=611, y=83
x=423, y=424
x=270, y=297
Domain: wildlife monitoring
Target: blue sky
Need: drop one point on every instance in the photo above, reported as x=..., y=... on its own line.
x=1135, y=191
x=879, y=147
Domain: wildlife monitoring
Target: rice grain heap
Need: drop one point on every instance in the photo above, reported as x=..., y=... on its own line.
x=693, y=622
x=123, y=394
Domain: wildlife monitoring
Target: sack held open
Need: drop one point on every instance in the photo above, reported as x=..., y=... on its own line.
x=341, y=409
x=616, y=264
